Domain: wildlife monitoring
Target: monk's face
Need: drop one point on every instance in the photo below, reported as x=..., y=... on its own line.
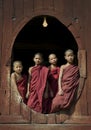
x=18, y=67
x=53, y=59
x=38, y=59
x=69, y=56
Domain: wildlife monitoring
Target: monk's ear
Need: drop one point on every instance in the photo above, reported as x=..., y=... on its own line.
x=49, y=61
x=42, y=59
x=65, y=57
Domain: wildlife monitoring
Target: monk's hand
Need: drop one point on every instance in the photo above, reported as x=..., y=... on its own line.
x=60, y=92
x=27, y=95
x=20, y=99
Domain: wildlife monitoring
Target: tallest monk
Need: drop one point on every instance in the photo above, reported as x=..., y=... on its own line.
x=37, y=85
x=68, y=83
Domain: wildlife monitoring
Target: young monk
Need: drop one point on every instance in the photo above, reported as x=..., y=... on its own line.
x=53, y=74
x=37, y=85
x=19, y=81
x=67, y=84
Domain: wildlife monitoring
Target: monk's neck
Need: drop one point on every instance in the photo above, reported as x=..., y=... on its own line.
x=53, y=66
x=67, y=64
x=38, y=64
x=18, y=75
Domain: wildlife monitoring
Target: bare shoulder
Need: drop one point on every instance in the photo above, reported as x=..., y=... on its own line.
x=62, y=66
x=13, y=74
x=30, y=69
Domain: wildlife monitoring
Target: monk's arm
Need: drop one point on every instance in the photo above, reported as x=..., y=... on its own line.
x=29, y=78
x=27, y=94
x=14, y=86
x=60, y=91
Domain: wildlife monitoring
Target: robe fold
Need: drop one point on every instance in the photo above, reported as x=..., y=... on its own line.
x=37, y=87
x=22, y=87
x=53, y=80
x=70, y=83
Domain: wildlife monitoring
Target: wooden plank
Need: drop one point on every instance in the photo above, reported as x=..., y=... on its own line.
x=17, y=12
x=82, y=63
x=1, y=33
x=48, y=4
x=28, y=7
x=38, y=4
x=44, y=127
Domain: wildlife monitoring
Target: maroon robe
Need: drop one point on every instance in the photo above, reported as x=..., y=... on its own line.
x=70, y=83
x=22, y=87
x=37, y=87
x=53, y=80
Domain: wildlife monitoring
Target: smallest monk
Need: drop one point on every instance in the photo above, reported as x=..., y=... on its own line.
x=68, y=83
x=19, y=81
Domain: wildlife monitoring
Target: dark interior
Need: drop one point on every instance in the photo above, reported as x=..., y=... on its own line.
x=33, y=38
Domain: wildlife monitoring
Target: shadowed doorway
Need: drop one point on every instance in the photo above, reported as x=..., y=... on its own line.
x=33, y=38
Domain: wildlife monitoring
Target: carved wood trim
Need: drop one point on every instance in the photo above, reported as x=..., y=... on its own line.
x=82, y=69
x=24, y=114
x=82, y=63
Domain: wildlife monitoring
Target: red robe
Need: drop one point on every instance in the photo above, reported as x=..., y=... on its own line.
x=53, y=80
x=37, y=87
x=22, y=87
x=70, y=83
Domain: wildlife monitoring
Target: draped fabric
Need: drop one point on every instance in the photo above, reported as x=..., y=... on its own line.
x=53, y=80
x=37, y=87
x=22, y=87
x=70, y=83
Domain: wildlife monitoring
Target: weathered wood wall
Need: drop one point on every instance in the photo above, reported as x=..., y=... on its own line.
x=14, y=14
